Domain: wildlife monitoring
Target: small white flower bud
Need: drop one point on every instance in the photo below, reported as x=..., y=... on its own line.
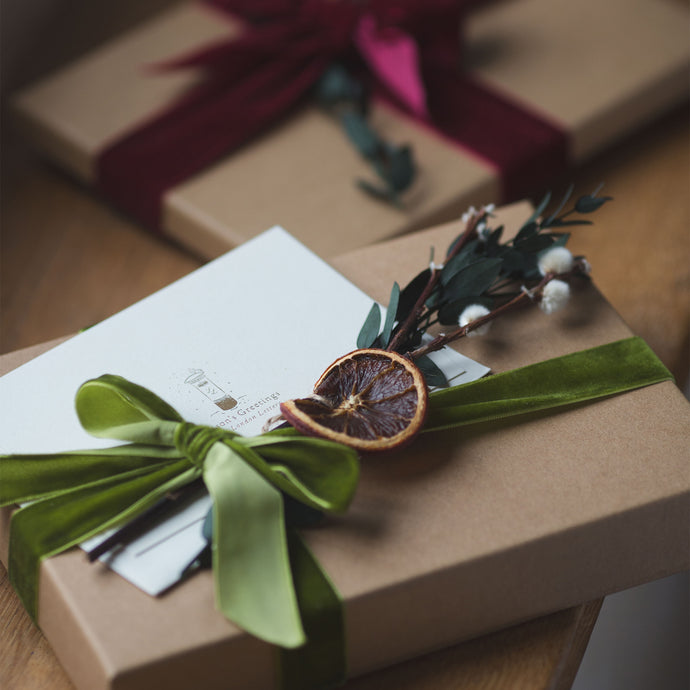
x=489, y=209
x=472, y=313
x=471, y=211
x=556, y=260
x=483, y=232
x=554, y=296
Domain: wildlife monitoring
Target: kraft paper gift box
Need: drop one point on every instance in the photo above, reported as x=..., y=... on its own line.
x=594, y=71
x=465, y=532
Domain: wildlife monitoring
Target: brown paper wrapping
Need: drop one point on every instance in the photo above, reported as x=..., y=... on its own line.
x=598, y=70
x=465, y=532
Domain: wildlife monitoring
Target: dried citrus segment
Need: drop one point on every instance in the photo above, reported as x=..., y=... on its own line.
x=369, y=399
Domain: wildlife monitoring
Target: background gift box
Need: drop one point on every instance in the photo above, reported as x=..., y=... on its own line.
x=545, y=84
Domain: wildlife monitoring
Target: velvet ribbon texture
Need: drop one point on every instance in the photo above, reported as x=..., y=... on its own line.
x=409, y=51
x=266, y=579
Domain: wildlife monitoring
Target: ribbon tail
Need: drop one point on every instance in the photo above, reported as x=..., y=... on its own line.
x=586, y=375
x=251, y=565
x=52, y=525
x=393, y=56
x=321, y=662
x=31, y=477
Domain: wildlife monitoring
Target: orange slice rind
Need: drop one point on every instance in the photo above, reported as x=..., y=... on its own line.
x=372, y=400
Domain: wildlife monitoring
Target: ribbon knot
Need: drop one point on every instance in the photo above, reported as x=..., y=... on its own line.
x=194, y=441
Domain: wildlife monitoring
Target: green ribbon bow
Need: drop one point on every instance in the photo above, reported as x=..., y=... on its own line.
x=77, y=495
x=264, y=574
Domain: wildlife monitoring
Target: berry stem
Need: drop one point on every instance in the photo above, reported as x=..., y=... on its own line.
x=524, y=297
x=417, y=312
x=441, y=341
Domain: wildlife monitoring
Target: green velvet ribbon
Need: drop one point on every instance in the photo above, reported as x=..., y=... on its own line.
x=266, y=579
x=77, y=495
x=567, y=380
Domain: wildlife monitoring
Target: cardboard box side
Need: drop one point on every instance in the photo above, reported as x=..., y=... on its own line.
x=207, y=668
x=78, y=602
x=608, y=71
x=516, y=585
x=61, y=622
x=386, y=627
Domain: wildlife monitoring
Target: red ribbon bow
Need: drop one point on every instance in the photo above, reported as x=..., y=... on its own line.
x=412, y=47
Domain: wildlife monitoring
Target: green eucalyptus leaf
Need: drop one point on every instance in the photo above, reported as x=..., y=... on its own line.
x=466, y=257
x=536, y=243
x=473, y=246
x=568, y=193
x=434, y=299
x=474, y=279
x=370, y=329
x=526, y=231
x=590, y=203
x=411, y=293
x=560, y=239
x=532, y=272
x=390, y=315
x=494, y=238
x=433, y=376
x=541, y=207
x=567, y=223
x=515, y=262
x=337, y=86
x=380, y=193
x=398, y=167
x=360, y=133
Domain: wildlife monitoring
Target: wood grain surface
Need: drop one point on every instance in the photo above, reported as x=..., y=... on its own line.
x=68, y=261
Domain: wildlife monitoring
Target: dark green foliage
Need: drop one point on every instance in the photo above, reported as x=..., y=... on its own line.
x=479, y=269
x=473, y=280
x=344, y=97
x=370, y=330
x=433, y=376
x=390, y=315
x=411, y=293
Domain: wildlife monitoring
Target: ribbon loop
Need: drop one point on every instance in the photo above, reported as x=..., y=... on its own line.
x=113, y=407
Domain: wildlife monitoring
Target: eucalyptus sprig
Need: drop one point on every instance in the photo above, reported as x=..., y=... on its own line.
x=343, y=96
x=482, y=278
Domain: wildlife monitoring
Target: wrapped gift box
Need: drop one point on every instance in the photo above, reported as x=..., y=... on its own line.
x=462, y=533
x=596, y=71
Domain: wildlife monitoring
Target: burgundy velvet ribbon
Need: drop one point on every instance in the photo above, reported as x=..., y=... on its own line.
x=254, y=80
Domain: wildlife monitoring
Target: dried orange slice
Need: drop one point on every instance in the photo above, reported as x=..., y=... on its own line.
x=370, y=399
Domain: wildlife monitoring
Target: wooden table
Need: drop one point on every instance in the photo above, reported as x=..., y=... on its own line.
x=68, y=261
